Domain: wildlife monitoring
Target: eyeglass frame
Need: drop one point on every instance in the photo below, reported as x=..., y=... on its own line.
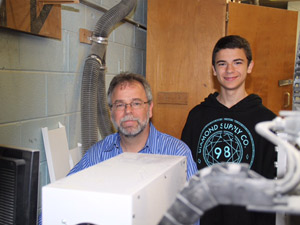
x=126, y=104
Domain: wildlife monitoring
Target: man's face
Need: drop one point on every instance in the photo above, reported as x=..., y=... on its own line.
x=231, y=68
x=130, y=121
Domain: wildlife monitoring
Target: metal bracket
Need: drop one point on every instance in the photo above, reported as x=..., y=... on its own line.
x=285, y=82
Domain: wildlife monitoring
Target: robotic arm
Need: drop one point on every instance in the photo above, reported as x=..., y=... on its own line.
x=235, y=184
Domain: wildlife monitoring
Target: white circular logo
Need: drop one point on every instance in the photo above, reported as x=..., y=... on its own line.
x=225, y=140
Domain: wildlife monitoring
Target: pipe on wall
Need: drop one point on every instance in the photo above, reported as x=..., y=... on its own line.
x=94, y=108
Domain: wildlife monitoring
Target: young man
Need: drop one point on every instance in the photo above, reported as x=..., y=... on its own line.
x=222, y=128
x=130, y=101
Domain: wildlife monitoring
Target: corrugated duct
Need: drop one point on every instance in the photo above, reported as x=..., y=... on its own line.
x=94, y=108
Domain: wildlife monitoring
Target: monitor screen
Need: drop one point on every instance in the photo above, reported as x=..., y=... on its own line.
x=19, y=171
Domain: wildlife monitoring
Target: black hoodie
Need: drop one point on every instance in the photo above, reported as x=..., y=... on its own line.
x=216, y=134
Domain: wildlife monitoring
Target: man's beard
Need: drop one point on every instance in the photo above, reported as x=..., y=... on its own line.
x=133, y=133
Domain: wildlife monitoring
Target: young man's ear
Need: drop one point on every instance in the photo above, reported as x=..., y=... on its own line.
x=250, y=67
x=214, y=70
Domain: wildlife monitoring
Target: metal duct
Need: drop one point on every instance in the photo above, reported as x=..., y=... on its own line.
x=94, y=108
x=220, y=184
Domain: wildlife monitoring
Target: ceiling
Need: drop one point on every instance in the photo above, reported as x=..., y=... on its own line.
x=282, y=4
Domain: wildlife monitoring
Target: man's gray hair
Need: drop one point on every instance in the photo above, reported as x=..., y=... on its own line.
x=128, y=77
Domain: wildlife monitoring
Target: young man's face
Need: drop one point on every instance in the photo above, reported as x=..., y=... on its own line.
x=231, y=68
x=130, y=121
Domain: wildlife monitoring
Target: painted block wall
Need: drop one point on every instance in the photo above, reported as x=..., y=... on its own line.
x=40, y=78
x=295, y=6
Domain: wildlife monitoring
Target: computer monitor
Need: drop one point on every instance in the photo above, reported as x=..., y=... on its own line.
x=19, y=171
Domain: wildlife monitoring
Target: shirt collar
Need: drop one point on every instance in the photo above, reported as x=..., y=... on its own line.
x=114, y=143
x=152, y=134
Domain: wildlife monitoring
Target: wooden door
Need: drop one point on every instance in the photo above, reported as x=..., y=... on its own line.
x=180, y=38
x=272, y=35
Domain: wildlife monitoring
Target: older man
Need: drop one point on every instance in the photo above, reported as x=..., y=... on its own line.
x=130, y=102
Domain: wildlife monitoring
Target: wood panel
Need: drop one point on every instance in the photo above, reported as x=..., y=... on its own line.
x=31, y=17
x=180, y=38
x=272, y=34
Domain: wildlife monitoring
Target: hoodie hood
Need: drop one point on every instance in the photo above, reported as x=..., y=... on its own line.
x=246, y=104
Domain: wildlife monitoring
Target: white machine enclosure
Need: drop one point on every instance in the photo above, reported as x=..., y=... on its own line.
x=131, y=188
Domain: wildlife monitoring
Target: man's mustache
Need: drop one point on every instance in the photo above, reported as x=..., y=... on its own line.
x=127, y=118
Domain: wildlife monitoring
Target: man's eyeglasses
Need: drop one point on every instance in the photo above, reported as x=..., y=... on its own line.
x=136, y=104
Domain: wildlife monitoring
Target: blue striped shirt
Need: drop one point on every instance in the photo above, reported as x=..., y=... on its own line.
x=157, y=143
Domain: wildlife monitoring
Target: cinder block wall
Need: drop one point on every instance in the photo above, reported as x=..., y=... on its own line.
x=40, y=78
x=295, y=6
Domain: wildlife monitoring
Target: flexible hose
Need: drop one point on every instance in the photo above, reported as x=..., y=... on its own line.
x=224, y=183
x=292, y=178
x=113, y=16
x=94, y=108
x=104, y=123
x=89, y=86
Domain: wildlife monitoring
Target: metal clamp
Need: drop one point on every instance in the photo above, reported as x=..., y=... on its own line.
x=102, y=67
x=99, y=40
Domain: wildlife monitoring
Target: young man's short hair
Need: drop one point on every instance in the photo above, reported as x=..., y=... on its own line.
x=232, y=41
